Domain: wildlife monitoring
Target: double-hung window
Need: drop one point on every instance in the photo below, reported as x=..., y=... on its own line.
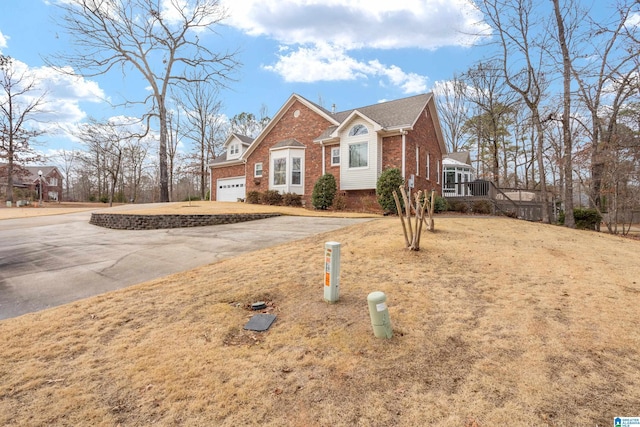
x=359, y=155
x=335, y=156
x=257, y=170
x=280, y=171
x=428, y=167
x=296, y=171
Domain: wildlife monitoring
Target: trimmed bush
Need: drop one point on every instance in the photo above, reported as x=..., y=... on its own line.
x=483, y=207
x=340, y=202
x=586, y=219
x=291, y=199
x=253, y=197
x=456, y=206
x=271, y=197
x=390, y=180
x=324, y=191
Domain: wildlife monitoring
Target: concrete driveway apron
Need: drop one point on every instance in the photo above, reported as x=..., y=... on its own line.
x=52, y=260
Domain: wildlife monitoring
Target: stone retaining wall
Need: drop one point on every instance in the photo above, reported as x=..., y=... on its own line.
x=154, y=222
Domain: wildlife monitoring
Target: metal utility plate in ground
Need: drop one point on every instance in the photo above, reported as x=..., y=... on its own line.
x=260, y=322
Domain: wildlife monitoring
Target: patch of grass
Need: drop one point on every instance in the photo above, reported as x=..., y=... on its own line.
x=496, y=322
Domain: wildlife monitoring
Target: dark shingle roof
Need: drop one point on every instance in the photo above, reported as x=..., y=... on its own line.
x=288, y=143
x=220, y=159
x=391, y=114
x=244, y=138
x=461, y=156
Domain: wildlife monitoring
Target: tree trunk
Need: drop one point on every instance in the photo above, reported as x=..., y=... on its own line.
x=540, y=158
x=162, y=152
x=569, y=220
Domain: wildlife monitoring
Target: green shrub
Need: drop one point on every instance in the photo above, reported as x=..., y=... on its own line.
x=389, y=181
x=271, y=197
x=324, y=191
x=441, y=204
x=253, y=197
x=291, y=199
x=586, y=219
x=483, y=207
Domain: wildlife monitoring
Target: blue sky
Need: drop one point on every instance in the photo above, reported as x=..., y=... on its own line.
x=347, y=53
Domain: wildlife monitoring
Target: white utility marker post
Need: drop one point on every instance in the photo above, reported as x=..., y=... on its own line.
x=331, y=271
x=379, y=313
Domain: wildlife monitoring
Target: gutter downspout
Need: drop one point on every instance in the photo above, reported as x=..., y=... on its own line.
x=323, y=162
x=404, y=153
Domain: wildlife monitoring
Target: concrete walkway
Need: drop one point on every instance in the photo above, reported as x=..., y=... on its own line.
x=52, y=260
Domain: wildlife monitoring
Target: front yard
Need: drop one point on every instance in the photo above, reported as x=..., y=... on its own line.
x=496, y=322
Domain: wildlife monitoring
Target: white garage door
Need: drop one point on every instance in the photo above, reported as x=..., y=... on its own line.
x=230, y=189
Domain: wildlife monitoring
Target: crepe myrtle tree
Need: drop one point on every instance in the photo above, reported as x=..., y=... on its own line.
x=158, y=40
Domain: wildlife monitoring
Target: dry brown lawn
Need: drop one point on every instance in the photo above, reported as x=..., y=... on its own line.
x=496, y=322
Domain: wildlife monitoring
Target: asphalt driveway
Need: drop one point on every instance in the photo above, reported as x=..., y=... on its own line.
x=52, y=260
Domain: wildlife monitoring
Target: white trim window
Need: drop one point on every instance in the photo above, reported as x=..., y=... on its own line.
x=358, y=130
x=428, y=167
x=358, y=155
x=257, y=170
x=296, y=171
x=280, y=171
x=335, y=156
x=418, y=161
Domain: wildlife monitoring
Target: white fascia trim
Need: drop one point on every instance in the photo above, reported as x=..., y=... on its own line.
x=345, y=122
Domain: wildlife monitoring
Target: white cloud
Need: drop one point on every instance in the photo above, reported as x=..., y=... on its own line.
x=317, y=37
x=63, y=94
x=324, y=62
x=383, y=24
x=3, y=41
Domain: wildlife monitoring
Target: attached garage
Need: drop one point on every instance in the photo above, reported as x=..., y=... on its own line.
x=230, y=189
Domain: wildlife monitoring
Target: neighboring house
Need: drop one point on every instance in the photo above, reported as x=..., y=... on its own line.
x=304, y=141
x=27, y=179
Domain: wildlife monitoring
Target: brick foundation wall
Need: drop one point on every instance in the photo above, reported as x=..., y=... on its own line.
x=154, y=222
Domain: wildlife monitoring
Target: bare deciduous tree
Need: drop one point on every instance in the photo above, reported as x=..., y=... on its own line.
x=66, y=160
x=20, y=101
x=522, y=48
x=202, y=107
x=159, y=40
x=612, y=64
x=453, y=110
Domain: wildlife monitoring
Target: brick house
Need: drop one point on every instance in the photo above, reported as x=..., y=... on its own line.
x=304, y=141
x=26, y=179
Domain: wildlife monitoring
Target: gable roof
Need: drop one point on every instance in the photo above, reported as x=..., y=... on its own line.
x=244, y=139
x=460, y=156
x=391, y=114
x=292, y=99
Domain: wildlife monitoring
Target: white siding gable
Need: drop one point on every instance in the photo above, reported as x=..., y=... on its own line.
x=234, y=148
x=359, y=156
